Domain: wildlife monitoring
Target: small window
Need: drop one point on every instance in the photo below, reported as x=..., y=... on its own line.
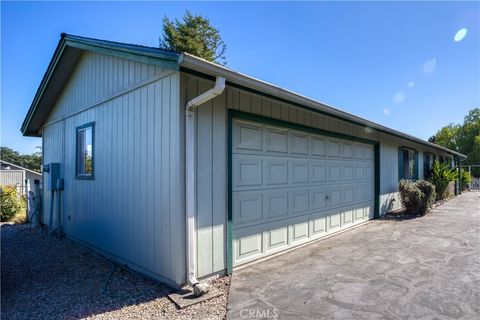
x=408, y=168
x=428, y=160
x=84, y=153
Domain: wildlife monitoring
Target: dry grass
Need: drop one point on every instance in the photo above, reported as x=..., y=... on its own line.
x=20, y=217
x=53, y=278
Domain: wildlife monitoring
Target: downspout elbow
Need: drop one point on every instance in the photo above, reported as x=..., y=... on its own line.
x=207, y=95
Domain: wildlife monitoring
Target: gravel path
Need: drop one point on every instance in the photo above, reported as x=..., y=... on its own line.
x=53, y=278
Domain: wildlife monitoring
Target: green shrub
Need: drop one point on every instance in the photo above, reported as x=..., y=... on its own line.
x=416, y=197
x=429, y=195
x=441, y=176
x=10, y=202
x=465, y=178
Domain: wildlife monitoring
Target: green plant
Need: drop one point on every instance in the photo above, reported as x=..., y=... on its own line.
x=465, y=178
x=10, y=202
x=429, y=195
x=441, y=176
x=416, y=197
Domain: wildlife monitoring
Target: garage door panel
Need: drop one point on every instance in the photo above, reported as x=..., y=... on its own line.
x=299, y=201
x=368, y=212
x=347, y=172
x=276, y=171
x=347, y=195
x=317, y=146
x=359, y=214
x=359, y=172
x=290, y=187
x=276, y=204
x=248, y=171
x=333, y=171
x=248, y=244
x=248, y=137
x=368, y=153
x=369, y=172
x=276, y=236
x=359, y=192
x=347, y=217
x=334, y=197
x=277, y=140
x=368, y=188
x=318, y=171
x=347, y=150
x=334, y=220
x=358, y=151
x=299, y=171
x=299, y=231
x=247, y=207
x=333, y=149
x=318, y=198
x=298, y=143
x=318, y=225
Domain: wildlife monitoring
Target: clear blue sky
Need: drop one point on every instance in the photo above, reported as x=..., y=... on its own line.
x=393, y=63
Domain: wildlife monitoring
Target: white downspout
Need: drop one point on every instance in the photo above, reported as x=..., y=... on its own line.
x=190, y=183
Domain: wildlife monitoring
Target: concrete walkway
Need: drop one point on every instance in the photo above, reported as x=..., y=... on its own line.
x=421, y=268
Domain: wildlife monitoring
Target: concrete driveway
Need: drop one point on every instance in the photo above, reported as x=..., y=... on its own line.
x=421, y=268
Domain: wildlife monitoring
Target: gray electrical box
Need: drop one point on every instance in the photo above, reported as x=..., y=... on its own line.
x=53, y=176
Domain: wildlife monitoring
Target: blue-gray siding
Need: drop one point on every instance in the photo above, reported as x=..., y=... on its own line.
x=132, y=209
x=212, y=162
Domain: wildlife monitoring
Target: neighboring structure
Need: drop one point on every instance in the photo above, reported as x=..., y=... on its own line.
x=13, y=175
x=252, y=170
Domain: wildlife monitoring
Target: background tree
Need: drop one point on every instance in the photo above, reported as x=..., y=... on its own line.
x=446, y=136
x=464, y=138
x=194, y=35
x=29, y=161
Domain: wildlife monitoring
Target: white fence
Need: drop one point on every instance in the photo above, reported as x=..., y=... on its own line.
x=475, y=184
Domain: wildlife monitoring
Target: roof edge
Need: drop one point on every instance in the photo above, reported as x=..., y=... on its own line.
x=149, y=55
x=16, y=165
x=237, y=79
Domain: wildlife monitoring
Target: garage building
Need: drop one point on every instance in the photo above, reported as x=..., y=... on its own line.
x=183, y=169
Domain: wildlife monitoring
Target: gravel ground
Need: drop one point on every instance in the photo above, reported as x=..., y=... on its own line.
x=44, y=277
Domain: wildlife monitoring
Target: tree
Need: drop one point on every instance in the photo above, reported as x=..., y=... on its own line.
x=194, y=35
x=464, y=138
x=447, y=136
x=30, y=161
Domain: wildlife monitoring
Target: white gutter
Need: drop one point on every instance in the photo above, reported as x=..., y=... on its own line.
x=190, y=183
x=189, y=61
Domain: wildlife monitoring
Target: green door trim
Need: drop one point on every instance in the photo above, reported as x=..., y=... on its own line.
x=266, y=120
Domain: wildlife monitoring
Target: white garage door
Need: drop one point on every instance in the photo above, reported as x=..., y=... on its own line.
x=290, y=187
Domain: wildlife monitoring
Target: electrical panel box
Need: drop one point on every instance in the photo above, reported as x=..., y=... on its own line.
x=53, y=176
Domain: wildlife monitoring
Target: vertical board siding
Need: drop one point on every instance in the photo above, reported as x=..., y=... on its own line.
x=131, y=210
x=96, y=77
x=389, y=198
x=53, y=149
x=12, y=177
x=389, y=146
x=211, y=160
x=212, y=164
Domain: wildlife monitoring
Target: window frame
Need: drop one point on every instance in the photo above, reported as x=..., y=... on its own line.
x=401, y=160
x=432, y=159
x=77, y=130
